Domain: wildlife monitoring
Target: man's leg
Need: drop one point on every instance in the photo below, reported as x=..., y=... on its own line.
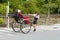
x=34, y=26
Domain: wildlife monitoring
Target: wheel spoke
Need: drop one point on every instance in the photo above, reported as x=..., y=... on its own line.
x=25, y=28
x=16, y=27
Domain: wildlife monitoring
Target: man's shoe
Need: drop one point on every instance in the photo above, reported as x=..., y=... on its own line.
x=34, y=30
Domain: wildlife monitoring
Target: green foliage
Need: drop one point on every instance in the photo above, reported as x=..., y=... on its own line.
x=3, y=1
x=2, y=9
x=14, y=4
x=1, y=21
x=40, y=6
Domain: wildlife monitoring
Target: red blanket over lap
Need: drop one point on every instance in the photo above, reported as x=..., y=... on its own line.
x=26, y=20
x=24, y=17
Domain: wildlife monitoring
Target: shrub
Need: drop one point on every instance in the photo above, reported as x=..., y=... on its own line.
x=2, y=9
x=1, y=21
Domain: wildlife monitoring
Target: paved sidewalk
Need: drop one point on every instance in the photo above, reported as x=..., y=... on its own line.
x=40, y=27
x=49, y=27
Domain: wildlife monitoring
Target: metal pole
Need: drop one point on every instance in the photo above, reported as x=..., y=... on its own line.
x=7, y=9
x=58, y=8
x=48, y=17
x=7, y=14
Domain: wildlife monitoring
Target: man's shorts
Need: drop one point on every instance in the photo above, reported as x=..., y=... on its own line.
x=35, y=22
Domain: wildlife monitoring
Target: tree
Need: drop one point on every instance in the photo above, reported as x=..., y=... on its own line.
x=2, y=9
x=3, y=1
x=40, y=6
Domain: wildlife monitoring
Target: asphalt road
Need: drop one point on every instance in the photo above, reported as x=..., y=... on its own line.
x=38, y=35
x=51, y=32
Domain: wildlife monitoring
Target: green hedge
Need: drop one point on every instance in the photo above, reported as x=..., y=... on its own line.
x=1, y=21
x=2, y=9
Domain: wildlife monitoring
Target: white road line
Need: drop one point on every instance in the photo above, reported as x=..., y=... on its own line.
x=10, y=34
x=2, y=30
x=5, y=30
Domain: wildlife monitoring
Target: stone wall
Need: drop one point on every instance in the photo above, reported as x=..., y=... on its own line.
x=42, y=20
